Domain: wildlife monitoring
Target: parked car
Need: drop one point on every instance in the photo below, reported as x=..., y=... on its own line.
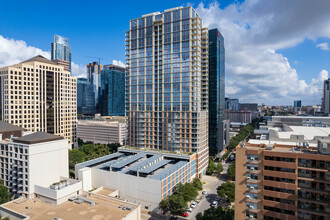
x=193, y=205
x=232, y=157
x=189, y=209
x=204, y=192
x=214, y=203
x=184, y=214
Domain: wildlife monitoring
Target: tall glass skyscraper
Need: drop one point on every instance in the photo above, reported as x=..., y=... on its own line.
x=112, y=92
x=61, y=50
x=85, y=97
x=167, y=83
x=217, y=103
x=94, y=78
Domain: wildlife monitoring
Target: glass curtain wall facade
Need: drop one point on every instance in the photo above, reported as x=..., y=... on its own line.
x=112, y=94
x=61, y=50
x=167, y=83
x=217, y=103
x=85, y=97
x=94, y=77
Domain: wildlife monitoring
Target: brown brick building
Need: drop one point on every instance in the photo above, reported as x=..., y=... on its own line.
x=283, y=181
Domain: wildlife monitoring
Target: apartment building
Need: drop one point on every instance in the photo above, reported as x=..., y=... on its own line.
x=167, y=83
x=283, y=181
x=102, y=132
x=39, y=95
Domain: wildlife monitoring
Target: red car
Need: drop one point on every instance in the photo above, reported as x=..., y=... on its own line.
x=184, y=214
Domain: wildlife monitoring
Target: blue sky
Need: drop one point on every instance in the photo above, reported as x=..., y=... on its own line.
x=271, y=46
x=94, y=28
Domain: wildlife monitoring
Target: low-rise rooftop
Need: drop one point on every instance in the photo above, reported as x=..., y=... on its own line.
x=104, y=208
x=37, y=137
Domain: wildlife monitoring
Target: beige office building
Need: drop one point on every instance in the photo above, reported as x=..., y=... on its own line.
x=101, y=132
x=167, y=83
x=39, y=95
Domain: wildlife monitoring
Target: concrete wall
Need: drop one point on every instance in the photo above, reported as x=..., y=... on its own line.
x=59, y=196
x=144, y=191
x=47, y=162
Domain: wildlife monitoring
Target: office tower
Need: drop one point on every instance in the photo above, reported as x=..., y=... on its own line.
x=61, y=52
x=94, y=78
x=297, y=105
x=85, y=97
x=232, y=104
x=39, y=95
x=167, y=83
x=326, y=97
x=112, y=92
x=216, y=91
x=283, y=181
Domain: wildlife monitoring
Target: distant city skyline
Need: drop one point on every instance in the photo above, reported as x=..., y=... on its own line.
x=278, y=51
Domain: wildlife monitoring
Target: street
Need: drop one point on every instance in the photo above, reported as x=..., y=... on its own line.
x=211, y=185
x=212, y=182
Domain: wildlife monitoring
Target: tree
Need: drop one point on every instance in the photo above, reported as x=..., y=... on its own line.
x=4, y=218
x=176, y=204
x=227, y=190
x=197, y=184
x=75, y=156
x=218, y=213
x=210, y=169
x=163, y=205
x=187, y=190
x=4, y=194
x=231, y=170
x=114, y=147
x=80, y=142
x=219, y=168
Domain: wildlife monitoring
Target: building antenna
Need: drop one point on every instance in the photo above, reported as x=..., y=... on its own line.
x=99, y=58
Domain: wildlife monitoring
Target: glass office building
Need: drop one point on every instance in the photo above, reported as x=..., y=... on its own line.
x=85, y=97
x=94, y=78
x=112, y=92
x=61, y=50
x=167, y=83
x=217, y=103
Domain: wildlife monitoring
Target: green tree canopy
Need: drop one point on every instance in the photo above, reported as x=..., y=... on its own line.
x=218, y=213
x=219, y=168
x=75, y=156
x=4, y=193
x=176, y=204
x=231, y=170
x=198, y=184
x=187, y=190
x=227, y=190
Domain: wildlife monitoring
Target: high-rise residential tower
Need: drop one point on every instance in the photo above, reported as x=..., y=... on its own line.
x=85, y=97
x=167, y=83
x=39, y=95
x=94, y=77
x=326, y=97
x=61, y=52
x=112, y=91
x=217, y=103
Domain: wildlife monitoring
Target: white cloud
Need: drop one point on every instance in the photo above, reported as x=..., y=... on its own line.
x=78, y=70
x=323, y=46
x=118, y=62
x=15, y=51
x=253, y=32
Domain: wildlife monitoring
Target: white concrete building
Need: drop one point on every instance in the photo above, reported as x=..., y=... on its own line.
x=101, y=132
x=141, y=176
x=32, y=163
